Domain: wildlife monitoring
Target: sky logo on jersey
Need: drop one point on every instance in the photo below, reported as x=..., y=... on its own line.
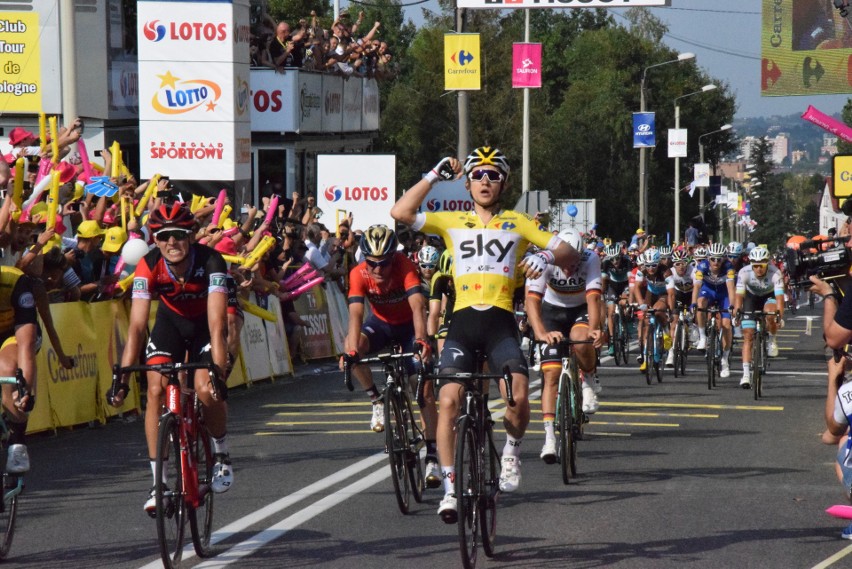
x=333, y=193
x=177, y=96
x=153, y=32
x=433, y=205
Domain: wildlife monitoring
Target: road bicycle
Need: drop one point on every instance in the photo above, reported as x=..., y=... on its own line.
x=570, y=419
x=477, y=462
x=713, y=331
x=681, y=339
x=13, y=484
x=793, y=302
x=621, y=333
x=183, y=437
x=654, y=350
x=759, y=350
x=403, y=435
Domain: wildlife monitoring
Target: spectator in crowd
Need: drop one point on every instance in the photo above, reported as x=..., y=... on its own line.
x=286, y=48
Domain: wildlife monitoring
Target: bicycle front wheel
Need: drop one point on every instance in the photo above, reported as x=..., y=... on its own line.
x=617, y=339
x=396, y=440
x=711, y=357
x=171, y=510
x=757, y=363
x=201, y=516
x=490, y=491
x=566, y=445
x=413, y=464
x=9, y=511
x=467, y=490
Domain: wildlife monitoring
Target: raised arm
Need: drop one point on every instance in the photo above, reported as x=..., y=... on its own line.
x=405, y=209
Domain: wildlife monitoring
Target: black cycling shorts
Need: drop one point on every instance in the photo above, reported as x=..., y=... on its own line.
x=560, y=319
x=175, y=337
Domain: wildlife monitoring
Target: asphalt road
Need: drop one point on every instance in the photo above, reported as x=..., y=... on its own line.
x=670, y=475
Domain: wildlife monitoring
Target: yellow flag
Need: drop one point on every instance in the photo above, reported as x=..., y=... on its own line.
x=462, y=62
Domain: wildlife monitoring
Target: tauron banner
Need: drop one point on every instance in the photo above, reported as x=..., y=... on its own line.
x=505, y=4
x=462, y=62
x=806, y=49
x=526, y=65
x=644, y=134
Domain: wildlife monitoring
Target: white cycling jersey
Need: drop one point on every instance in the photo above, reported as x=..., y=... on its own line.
x=772, y=281
x=681, y=283
x=569, y=291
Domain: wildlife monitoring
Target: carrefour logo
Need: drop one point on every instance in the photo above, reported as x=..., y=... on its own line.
x=333, y=193
x=433, y=205
x=177, y=96
x=508, y=226
x=462, y=57
x=154, y=32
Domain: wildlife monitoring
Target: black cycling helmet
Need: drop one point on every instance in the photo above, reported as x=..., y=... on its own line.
x=171, y=216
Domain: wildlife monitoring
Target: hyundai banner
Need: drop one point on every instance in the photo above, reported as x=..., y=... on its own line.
x=526, y=65
x=361, y=184
x=644, y=130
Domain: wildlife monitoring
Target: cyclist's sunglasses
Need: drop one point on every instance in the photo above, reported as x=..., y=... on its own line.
x=759, y=265
x=651, y=266
x=428, y=266
x=379, y=264
x=681, y=264
x=492, y=175
x=715, y=259
x=166, y=234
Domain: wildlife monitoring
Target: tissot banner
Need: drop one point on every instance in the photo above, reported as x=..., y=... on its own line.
x=526, y=65
x=462, y=62
x=643, y=130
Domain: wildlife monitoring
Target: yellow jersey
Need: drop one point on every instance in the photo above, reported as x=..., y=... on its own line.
x=486, y=256
x=17, y=303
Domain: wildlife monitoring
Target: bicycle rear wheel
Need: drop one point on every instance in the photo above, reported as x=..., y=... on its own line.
x=413, y=464
x=490, y=491
x=171, y=510
x=201, y=516
x=8, y=510
x=467, y=490
x=396, y=440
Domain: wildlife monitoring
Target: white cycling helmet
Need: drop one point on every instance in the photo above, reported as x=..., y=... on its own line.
x=572, y=237
x=665, y=252
x=700, y=253
x=428, y=255
x=759, y=255
x=612, y=252
x=735, y=249
x=651, y=257
x=716, y=250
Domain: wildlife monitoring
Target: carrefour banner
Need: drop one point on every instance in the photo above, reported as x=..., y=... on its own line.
x=806, y=49
x=644, y=130
x=361, y=184
x=505, y=4
x=461, y=62
x=526, y=65
x=20, y=79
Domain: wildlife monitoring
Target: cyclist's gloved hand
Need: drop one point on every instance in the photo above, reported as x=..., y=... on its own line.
x=692, y=307
x=534, y=265
x=443, y=171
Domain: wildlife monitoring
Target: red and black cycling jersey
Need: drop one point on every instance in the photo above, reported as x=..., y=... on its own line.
x=207, y=273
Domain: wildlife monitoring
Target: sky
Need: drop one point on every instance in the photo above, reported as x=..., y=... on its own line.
x=725, y=37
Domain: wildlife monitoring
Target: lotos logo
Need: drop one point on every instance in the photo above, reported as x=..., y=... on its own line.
x=153, y=32
x=464, y=57
x=433, y=205
x=333, y=194
x=176, y=96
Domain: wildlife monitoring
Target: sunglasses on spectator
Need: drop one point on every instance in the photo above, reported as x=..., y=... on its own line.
x=492, y=175
x=715, y=259
x=379, y=264
x=177, y=234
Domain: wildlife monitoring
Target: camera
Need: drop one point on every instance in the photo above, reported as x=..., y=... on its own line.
x=825, y=258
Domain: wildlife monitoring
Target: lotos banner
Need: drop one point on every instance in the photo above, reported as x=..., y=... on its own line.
x=526, y=65
x=462, y=62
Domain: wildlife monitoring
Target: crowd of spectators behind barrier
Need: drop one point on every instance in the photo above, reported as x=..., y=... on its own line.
x=346, y=48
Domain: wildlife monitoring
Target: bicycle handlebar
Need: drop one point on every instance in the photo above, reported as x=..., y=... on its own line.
x=353, y=358
x=18, y=381
x=169, y=369
x=467, y=378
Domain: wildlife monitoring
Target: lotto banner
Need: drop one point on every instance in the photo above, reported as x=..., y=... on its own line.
x=20, y=79
x=526, y=65
x=806, y=49
x=462, y=62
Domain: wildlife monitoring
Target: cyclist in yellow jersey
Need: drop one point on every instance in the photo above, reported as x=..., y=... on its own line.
x=20, y=339
x=488, y=246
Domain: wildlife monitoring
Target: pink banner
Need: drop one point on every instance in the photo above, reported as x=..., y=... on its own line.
x=825, y=122
x=526, y=65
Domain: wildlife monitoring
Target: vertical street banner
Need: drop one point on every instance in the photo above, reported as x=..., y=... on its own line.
x=20, y=62
x=806, y=49
x=194, y=116
x=677, y=143
x=462, y=62
x=702, y=175
x=644, y=135
x=526, y=65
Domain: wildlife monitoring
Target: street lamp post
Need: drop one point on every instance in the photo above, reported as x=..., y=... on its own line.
x=643, y=197
x=701, y=160
x=704, y=89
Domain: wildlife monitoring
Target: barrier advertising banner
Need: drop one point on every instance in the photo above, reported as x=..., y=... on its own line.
x=20, y=75
x=806, y=49
x=462, y=62
x=316, y=338
x=361, y=184
x=526, y=65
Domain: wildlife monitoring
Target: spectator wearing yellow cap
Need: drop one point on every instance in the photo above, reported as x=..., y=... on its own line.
x=89, y=260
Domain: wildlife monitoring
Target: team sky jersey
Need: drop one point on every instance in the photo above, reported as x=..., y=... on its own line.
x=388, y=299
x=616, y=275
x=681, y=283
x=717, y=282
x=486, y=256
x=568, y=291
x=207, y=274
x=655, y=282
x=17, y=303
x=748, y=282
